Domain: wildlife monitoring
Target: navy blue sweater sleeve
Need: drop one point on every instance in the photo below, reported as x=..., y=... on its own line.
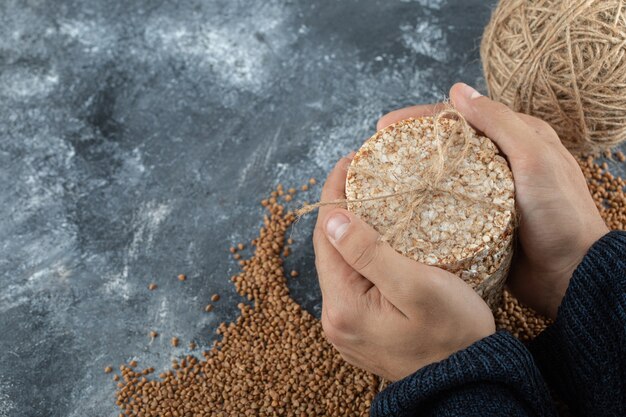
x=583, y=354
x=495, y=376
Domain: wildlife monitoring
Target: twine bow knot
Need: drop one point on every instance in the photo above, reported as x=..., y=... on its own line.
x=443, y=165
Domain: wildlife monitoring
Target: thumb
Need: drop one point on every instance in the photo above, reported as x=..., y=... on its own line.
x=362, y=248
x=495, y=120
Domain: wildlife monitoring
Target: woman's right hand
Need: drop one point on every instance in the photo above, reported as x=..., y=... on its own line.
x=558, y=219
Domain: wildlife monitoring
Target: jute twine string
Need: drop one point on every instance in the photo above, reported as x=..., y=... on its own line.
x=561, y=61
x=443, y=164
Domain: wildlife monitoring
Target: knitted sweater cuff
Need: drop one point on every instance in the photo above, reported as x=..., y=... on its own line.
x=586, y=342
x=498, y=359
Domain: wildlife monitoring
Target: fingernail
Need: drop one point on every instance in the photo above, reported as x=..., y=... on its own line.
x=470, y=92
x=337, y=226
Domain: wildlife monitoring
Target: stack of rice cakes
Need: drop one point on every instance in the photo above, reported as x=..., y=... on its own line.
x=464, y=225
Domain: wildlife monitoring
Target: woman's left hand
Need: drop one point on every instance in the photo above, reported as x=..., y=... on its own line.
x=384, y=312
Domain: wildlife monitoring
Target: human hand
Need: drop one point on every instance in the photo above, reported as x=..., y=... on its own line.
x=384, y=312
x=558, y=219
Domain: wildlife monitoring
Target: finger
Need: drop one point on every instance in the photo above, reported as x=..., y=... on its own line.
x=396, y=277
x=497, y=121
x=533, y=122
x=542, y=130
x=338, y=281
x=326, y=257
x=401, y=114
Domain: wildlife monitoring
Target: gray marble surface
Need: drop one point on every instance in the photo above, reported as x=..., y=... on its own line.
x=136, y=139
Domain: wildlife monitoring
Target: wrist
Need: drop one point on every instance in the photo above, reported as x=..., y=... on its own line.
x=462, y=338
x=561, y=283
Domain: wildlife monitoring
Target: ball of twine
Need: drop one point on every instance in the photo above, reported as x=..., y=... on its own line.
x=563, y=62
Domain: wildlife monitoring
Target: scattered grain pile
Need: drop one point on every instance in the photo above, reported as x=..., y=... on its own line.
x=274, y=360
x=607, y=190
x=440, y=194
x=521, y=321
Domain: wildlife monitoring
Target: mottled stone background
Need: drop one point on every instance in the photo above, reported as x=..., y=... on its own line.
x=136, y=140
